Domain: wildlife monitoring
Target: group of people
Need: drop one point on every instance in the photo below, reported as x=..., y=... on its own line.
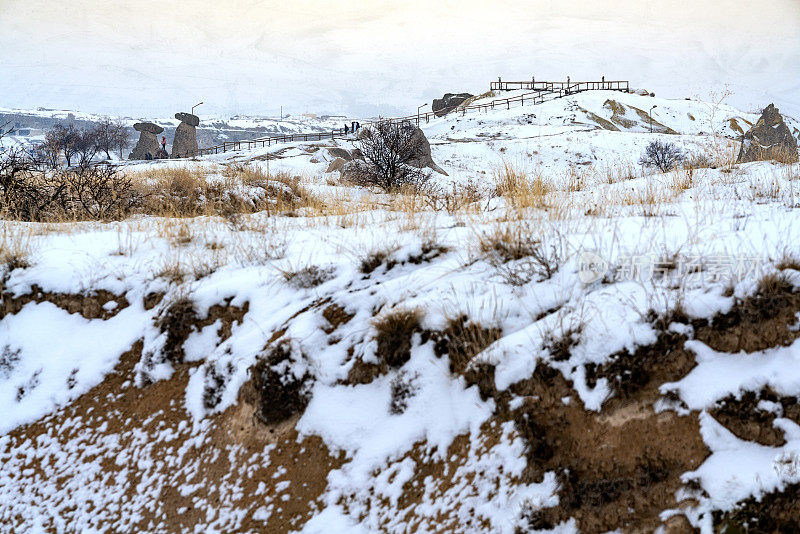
x=161, y=153
x=354, y=126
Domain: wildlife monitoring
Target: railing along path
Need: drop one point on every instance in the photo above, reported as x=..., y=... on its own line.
x=539, y=92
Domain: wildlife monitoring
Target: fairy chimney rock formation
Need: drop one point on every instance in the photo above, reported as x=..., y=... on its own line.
x=770, y=138
x=148, y=140
x=185, y=143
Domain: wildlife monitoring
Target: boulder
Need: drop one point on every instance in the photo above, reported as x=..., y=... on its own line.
x=188, y=118
x=185, y=143
x=340, y=153
x=422, y=149
x=336, y=165
x=149, y=127
x=148, y=141
x=446, y=104
x=770, y=138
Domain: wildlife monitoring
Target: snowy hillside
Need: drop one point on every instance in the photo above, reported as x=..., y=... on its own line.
x=29, y=125
x=336, y=359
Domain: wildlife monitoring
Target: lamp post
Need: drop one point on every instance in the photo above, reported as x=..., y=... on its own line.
x=419, y=108
x=195, y=107
x=651, y=117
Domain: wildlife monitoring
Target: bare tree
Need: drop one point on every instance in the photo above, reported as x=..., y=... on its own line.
x=86, y=145
x=388, y=148
x=665, y=156
x=111, y=135
x=63, y=139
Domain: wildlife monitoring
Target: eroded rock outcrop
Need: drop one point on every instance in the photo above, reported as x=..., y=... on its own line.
x=448, y=102
x=770, y=138
x=185, y=143
x=422, y=149
x=148, y=140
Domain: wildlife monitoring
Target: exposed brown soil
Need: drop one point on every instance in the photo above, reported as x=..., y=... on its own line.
x=773, y=513
x=630, y=373
x=757, y=323
x=89, y=305
x=744, y=418
x=336, y=316
x=230, y=465
x=617, y=469
x=365, y=372
x=180, y=319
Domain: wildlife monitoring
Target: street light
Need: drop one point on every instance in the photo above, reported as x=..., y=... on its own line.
x=419, y=108
x=195, y=107
x=651, y=117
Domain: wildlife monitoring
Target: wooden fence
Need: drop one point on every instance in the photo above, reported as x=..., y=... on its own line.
x=539, y=92
x=571, y=87
x=250, y=144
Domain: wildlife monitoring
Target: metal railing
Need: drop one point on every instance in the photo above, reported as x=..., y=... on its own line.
x=540, y=92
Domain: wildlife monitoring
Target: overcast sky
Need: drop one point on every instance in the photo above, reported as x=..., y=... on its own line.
x=146, y=58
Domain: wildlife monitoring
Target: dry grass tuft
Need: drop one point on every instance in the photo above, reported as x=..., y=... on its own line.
x=519, y=191
x=191, y=192
x=462, y=340
x=394, y=331
x=788, y=261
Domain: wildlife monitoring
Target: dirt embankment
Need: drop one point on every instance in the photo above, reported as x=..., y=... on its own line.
x=130, y=458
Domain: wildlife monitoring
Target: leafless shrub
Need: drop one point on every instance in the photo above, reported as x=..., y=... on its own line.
x=664, y=156
x=389, y=150
x=178, y=320
x=100, y=192
x=216, y=378
x=9, y=358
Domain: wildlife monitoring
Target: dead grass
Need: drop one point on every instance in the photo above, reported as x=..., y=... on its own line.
x=520, y=191
x=462, y=340
x=788, y=261
x=393, y=334
x=14, y=252
x=508, y=242
x=403, y=387
x=193, y=191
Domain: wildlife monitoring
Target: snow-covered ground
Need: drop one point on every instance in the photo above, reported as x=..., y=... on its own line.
x=700, y=240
